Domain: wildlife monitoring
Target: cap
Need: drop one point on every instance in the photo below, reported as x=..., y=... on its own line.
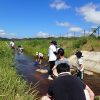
x=78, y=54
x=36, y=53
x=54, y=42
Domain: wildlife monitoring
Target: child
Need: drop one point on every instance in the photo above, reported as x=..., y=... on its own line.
x=80, y=67
x=39, y=57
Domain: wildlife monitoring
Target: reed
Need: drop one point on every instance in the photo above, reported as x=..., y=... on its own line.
x=12, y=86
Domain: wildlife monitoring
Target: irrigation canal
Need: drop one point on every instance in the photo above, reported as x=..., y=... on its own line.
x=27, y=69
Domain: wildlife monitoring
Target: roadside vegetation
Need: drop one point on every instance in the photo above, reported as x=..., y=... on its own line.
x=12, y=86
x=70, y=45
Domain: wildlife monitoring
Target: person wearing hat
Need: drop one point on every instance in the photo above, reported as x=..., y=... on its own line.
x=52, y=52
x=80, y=67
x=60, y=59
x=39, y=57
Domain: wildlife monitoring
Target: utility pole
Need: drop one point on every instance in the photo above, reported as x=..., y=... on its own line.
x=74, y=34
x=84, y=32
x=98, y=32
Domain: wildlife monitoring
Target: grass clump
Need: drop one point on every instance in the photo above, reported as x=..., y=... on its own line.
x=12, y=87
x=80, y=42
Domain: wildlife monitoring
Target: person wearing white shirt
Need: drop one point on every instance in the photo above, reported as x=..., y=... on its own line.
x=80, y=67
x=39, y=57
x=52, y=57
x=12, y=44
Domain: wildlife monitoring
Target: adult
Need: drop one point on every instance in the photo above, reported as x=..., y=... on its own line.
x=80, y=67
x=60, y=59
x=68, y=87
x=52, y=57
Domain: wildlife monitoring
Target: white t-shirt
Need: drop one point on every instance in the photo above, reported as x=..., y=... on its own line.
x=12, y=43
x=40, y=54
x=80, y=62
x=52, y=56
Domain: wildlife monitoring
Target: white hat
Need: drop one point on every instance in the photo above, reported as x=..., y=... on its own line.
x=37, y=53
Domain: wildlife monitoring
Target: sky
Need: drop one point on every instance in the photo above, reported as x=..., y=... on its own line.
x=44, y=18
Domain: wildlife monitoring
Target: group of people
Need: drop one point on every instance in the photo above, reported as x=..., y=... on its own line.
x=66, y=86
x=19, y=48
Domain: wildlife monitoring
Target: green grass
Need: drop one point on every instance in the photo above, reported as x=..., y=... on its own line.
x=12, y=87
x=42, y=45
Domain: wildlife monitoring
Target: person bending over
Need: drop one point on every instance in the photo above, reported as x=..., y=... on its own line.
x=39, y=57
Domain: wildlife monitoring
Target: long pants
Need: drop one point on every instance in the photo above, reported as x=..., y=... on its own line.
x=51, y=63
x=80, y=74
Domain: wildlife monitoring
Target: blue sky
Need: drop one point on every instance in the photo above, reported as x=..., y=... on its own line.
x=43, y=18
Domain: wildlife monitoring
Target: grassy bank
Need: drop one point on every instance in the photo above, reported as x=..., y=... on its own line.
x=12, y=87
x=69, y=44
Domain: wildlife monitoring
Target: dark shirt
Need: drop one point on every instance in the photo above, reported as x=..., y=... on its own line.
x=67, y=87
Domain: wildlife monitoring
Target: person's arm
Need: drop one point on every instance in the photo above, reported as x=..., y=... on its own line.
x=90, y=92
x=81, y=64
x=55, y=53
x=54, y=68
x=46, y=97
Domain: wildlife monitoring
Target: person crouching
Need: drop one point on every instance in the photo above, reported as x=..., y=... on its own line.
x=39, y=57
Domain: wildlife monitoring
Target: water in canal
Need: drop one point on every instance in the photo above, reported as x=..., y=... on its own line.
x=26, y=67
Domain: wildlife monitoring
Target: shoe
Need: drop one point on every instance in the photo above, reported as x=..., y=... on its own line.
x=50, y=78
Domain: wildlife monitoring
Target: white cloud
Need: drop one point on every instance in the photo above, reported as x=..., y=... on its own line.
x=2, y=32
x=69, y=35
x=90, y=12
x=75, y=29
x=59, y=5
x=63, y=24
x=42, y=35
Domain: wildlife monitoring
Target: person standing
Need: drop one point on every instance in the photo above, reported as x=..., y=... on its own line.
x=67, y=86
x=80, y=67
x=52, y=57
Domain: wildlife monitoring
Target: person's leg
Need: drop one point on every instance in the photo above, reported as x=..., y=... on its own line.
x=82, y=74
x=40, y=60
x=51, y=63
x=79, y=74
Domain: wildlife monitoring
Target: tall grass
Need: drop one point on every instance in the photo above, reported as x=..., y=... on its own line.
x=12, y=87
x=42, y=45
